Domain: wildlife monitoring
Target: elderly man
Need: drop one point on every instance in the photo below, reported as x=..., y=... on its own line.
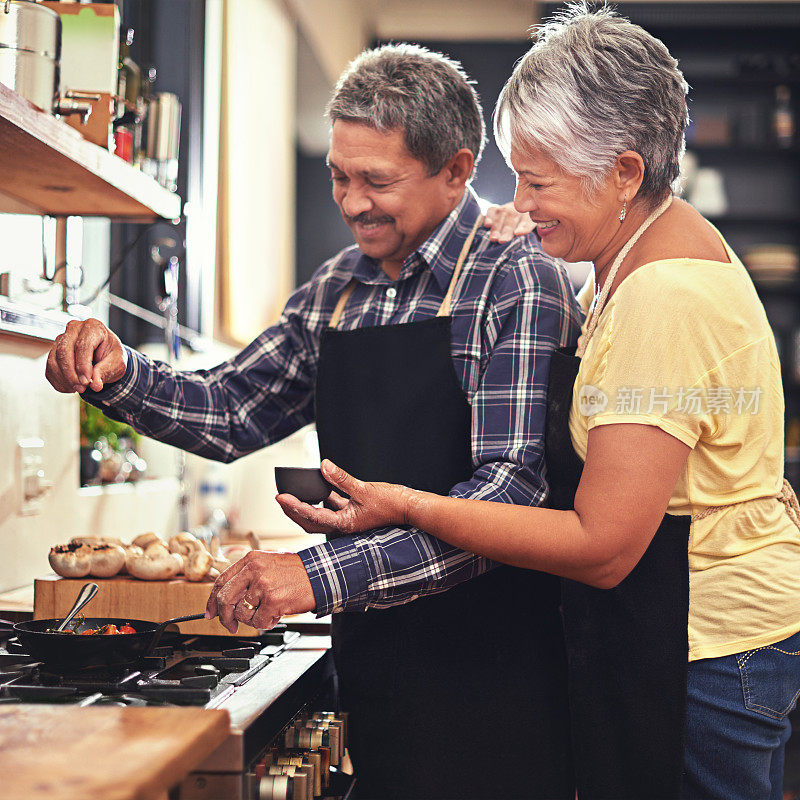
x=422, y=354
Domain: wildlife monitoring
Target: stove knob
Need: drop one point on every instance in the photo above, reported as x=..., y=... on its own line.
x=275, y=787
x=314, y=758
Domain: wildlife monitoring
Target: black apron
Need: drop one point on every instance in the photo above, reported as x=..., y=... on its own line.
x=461, y=694
x=627, y=647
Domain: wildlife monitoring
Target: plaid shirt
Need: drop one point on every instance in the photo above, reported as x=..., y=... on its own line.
x=512, y=306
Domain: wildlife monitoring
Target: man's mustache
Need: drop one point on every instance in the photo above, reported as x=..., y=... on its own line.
x=366, y=219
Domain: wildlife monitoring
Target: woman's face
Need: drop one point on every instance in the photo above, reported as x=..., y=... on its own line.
x=571, y=225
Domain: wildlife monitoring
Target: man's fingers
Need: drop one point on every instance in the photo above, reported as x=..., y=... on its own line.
x=264, y=619
x=53, y=374
x=89, y=339
x=212, y=605
x=65, y=359
x=235, y=589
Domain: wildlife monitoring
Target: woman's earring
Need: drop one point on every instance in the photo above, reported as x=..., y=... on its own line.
x=624, y=211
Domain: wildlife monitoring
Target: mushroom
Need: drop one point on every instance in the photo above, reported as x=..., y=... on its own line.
x=107, y=560
x=71, y=560
x=92, y=541
x=95, y=541
x=197, y=561
x=145, y=539
x=155, y=563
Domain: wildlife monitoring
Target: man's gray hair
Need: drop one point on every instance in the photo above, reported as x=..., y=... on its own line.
x=592, y=86
x=426, y=95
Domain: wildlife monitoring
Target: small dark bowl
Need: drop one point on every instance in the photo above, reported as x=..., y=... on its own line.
x=305, y=484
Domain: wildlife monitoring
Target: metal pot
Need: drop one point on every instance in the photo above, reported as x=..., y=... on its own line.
x=30, y=50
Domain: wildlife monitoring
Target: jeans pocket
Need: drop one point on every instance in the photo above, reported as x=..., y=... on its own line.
x=771, y=677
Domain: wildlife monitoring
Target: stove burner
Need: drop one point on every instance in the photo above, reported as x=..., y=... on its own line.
x=113, y=700
x=183, y=670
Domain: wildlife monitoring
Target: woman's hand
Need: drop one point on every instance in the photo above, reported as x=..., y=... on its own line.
x=505, y=222
x=371, y=505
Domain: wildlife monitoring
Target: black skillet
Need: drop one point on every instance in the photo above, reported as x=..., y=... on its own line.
x=67, y=652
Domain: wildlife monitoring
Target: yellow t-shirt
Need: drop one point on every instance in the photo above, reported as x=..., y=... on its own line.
x=684, y=344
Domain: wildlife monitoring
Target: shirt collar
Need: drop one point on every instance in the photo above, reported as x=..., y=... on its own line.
x=439, y=252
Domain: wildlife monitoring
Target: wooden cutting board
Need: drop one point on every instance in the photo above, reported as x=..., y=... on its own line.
x=68, y=753
x=123, y=596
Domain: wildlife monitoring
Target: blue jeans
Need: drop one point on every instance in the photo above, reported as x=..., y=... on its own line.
x=737, y=725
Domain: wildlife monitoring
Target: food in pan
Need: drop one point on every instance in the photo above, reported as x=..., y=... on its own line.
x=103, y=630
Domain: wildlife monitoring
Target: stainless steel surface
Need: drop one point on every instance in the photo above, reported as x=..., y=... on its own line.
x=163, y=138
x=30, y=46
x=87, y=592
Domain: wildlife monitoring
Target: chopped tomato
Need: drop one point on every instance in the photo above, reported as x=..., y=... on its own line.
x=90, y=632
x=109, y=630
x=126, y=628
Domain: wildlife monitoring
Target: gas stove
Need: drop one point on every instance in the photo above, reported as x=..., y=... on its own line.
x=183, y=670
x=265, y=683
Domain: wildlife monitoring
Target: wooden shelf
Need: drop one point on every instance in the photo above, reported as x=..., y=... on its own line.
x=49, y=168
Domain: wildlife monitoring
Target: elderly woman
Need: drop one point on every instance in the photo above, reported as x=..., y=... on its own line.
x=670, y=520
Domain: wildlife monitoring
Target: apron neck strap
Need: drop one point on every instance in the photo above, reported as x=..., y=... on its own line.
x=343, y=298
x=594, y=314
x=444, y=309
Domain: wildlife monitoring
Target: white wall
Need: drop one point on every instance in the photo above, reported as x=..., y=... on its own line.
x=257, y=166
x=29, y=407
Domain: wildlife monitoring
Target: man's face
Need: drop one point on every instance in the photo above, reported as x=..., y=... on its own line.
x=385, y=194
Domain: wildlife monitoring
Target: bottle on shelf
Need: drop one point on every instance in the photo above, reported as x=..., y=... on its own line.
x=783, y=123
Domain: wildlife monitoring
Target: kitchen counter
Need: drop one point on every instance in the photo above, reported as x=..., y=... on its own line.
x=62, y=753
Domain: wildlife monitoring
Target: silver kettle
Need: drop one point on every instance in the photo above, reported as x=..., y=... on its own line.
x=30, y=52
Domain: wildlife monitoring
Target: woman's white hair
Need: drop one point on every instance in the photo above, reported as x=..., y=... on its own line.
x=592, y=86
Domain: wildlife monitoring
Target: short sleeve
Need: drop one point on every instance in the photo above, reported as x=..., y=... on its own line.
x=656, y=358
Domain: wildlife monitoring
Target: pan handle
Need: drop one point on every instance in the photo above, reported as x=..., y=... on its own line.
x=161, y=628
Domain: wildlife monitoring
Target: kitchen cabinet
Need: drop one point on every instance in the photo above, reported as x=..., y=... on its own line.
x=48, y=168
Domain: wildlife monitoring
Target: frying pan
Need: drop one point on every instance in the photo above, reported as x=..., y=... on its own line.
x=66, y=652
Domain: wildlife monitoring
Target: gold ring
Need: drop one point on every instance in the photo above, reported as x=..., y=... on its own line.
x=248, y=606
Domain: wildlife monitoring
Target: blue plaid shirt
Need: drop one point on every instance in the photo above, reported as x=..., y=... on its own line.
x=511, y=307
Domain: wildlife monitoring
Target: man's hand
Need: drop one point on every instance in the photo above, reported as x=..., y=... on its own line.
x=505, y=222
x=86, y=354
x=259, y=589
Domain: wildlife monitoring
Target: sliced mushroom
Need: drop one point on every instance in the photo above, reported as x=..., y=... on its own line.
x=155, y=563
x=71, y=560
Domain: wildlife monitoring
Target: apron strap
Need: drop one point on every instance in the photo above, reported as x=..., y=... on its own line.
x=344, y=297
x=594, y=314
x=786, y=496
x=444, y=309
